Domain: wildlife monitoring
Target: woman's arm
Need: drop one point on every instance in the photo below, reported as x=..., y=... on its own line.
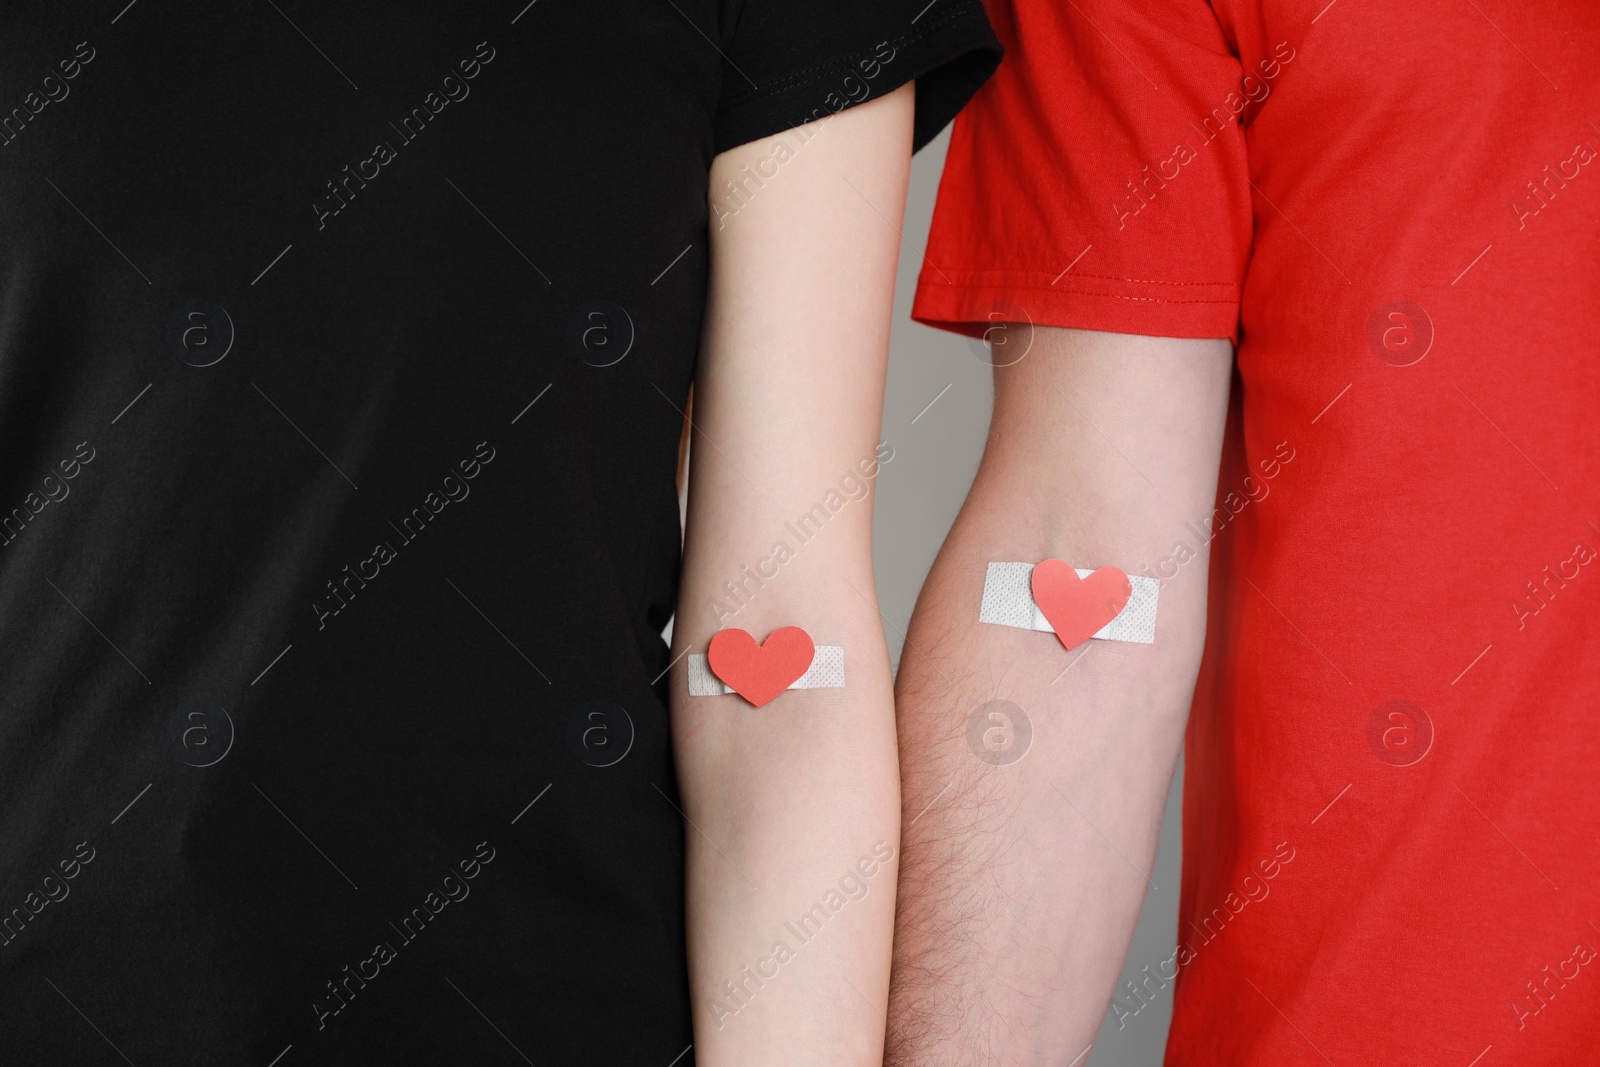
x=793, y=806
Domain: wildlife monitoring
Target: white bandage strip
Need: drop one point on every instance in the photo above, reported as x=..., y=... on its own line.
x=826, y=672
x=1008, y=601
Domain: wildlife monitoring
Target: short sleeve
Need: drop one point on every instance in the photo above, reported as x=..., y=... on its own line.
x=790, y=63
x=1099, y=179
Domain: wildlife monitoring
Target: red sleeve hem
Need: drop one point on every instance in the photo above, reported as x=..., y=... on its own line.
x=969, y=302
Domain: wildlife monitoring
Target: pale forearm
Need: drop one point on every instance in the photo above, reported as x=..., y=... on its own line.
x=794, y=805
x=793, y=854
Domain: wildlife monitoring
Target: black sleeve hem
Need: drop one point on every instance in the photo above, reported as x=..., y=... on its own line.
x=950, y=54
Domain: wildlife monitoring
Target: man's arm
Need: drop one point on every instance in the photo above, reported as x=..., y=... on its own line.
x=1021, y=882
x=794, y=806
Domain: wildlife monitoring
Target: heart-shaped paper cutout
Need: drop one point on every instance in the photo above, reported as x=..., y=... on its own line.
x=1078, y=608
x=760, y=672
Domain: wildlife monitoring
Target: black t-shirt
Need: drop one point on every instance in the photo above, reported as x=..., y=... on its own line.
x=343, y=353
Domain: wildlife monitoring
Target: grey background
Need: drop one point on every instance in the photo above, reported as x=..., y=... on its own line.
x=918, y=494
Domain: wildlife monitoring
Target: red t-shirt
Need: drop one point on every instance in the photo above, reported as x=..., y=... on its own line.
x=1392, y=208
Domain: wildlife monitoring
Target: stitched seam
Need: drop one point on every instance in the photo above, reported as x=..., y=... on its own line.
x=1121, y=296
x=797, y=80
x=1102, y=277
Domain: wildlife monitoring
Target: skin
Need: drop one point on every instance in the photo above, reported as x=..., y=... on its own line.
x=1021, y=884
x=786, y=799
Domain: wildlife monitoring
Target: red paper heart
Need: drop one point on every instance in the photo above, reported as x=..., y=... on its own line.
x=1078, y=608
x=760, y=672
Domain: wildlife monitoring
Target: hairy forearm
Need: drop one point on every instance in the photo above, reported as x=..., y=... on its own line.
x=1022, y=872
x=1021, y=882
